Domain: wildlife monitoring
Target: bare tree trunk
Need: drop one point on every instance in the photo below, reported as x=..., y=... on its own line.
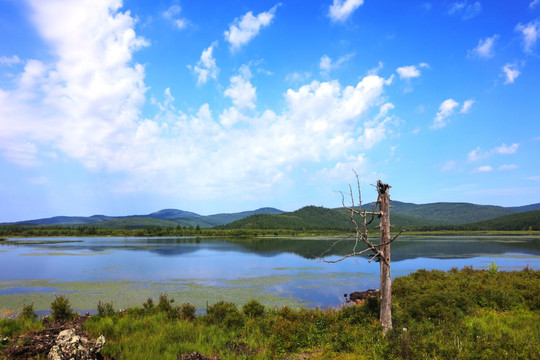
x=386, y=280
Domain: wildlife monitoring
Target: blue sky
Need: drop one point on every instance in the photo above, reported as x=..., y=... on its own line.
x=127, y=107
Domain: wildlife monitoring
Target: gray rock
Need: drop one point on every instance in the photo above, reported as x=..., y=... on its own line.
x=70, y=346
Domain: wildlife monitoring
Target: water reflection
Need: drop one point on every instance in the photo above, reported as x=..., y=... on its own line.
x=256, y=267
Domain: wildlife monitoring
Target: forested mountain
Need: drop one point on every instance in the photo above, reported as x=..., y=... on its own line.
x=403, y=216
x=313, y=217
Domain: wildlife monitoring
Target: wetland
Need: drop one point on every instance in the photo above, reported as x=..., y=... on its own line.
x=201, y=271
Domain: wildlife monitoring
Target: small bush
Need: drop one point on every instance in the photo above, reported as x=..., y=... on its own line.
x=493, y=268
x=105, y=309
x=164, y=303
x=60, y=309
x=148, y=305
x=187, y=311
x=225, y=314
x=28, y=313
x=253, y=309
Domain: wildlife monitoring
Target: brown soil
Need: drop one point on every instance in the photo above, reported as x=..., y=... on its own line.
x=38, y=344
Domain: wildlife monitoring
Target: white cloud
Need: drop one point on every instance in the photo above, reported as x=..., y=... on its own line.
x=408, y=72
x=530, y=33
x=478, y=154
x=206, y=67
x=446, y=109
x=485, y=48
x=172, y=13
x=4, y=60
x=510, y=73
x=507, y=167
x=485, y=168
x=504, y=149
x=340, y=10
x=91, y=94
x=298, y=77
x=326, y=64
x=86, y=106
x=464, y=9
x=534, y=3
x=467, y=105
x=242, y=93
x=244, y=29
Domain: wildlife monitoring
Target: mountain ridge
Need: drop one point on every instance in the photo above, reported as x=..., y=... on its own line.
x=403, y=213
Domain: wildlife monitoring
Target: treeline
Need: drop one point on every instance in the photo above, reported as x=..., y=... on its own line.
x=149, y=231
x=525, y=221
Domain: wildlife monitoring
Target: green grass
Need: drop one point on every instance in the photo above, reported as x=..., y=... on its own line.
x=459, y=314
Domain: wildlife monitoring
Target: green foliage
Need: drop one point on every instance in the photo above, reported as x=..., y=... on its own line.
x=493, y=268
x=253, y=309
x=105, y=309
x=61, y=309
x=164, y=303
x=28, y=313
x=187, y=311
x=459, y=314
x=225, y=314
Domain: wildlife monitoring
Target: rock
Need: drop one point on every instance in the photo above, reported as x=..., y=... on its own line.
x=362, y=295
x=71, y=346
x=196, y=356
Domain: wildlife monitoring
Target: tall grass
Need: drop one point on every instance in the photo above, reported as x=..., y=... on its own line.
x=460, y=314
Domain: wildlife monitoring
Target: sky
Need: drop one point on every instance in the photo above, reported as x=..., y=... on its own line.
x=128, y=107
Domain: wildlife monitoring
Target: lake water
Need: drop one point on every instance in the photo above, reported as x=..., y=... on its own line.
x=126, y=271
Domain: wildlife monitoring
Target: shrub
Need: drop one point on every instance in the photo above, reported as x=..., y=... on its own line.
x=148, y=305
x=61, y=310
x=187, y=311
x=164, y=303
x=224, y=313
x=493, y=268
x=105, y=309
x=28, y=313
x=253, y=309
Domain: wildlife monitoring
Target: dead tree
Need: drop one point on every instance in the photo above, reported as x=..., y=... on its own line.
x=361, y=218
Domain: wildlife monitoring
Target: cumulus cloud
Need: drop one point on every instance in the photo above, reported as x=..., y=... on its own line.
x=340, y=10
x=172, y=14
x=4, y=60
x=465, y=9
x=446, y=109
x=467, y=105
x=91, y=93
x=479, y=154
x=530, y=33
x=485, y=48
x=242, y=93
x=244, y=29
x=410, y=71
x=511, y=73
x=206, y=67
x=485, y=168
x=86, y=105
x=326, y=64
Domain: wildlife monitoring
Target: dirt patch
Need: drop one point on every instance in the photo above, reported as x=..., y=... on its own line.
x=28, y=346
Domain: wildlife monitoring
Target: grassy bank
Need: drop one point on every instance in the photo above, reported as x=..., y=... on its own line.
x=460, y=314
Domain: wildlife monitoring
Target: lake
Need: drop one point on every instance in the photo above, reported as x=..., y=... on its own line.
x=275, y=271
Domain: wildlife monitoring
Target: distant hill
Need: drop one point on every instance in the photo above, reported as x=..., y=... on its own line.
x=66, y=220
x=451, y=213
x=315, y=218
x=163, y=218
x=529, y=220
x=403, y=215
x=170, y=214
